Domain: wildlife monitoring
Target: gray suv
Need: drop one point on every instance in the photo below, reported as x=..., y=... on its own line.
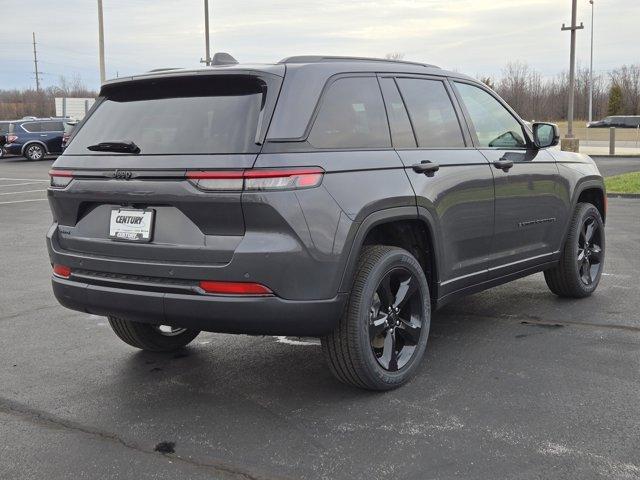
x=341, y=198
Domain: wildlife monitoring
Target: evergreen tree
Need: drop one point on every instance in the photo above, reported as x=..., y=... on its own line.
x=615, y=100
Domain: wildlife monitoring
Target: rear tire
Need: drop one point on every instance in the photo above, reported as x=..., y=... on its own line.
x=578, y=273
x=382, y=335
x=34, y=152
x=151, y=337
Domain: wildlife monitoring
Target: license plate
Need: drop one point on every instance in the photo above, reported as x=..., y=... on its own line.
x=131, y=225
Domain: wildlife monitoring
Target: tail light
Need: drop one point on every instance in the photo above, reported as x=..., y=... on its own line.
x=276, y=179
x=60, y=178
x=257, y=180
x=61, y=271
x=12, y=138
x=234, y=288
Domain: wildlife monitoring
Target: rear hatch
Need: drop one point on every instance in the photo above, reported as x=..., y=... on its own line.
x=127, y=186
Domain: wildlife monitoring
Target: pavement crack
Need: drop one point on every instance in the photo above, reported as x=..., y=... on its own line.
x=48, y=420
x=534, y=320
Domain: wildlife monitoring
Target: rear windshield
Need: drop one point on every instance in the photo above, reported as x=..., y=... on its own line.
x=177, y=116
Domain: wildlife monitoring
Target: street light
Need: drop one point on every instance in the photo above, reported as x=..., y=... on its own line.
x=591, y=69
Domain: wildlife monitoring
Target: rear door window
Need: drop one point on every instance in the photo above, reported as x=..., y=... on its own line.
x=399, y=123
x=493, y=123
x=52, y=127
x=208, y=115
x=432, y=114
x=351, y=115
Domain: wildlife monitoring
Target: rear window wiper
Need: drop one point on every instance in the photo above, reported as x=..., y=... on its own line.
x=119, y=147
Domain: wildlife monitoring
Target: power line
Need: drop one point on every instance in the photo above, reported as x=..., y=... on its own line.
x=572, y=65
x=35, y=61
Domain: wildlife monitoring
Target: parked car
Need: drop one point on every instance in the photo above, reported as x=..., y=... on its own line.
x=34, y=138
x=618, y=121
x=69, y=126
x=4, y=131
x=340, y=198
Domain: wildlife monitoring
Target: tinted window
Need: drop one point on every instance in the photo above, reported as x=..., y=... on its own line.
x=215, y=114
x=52, y=126
x=401, y=132
x=351, y=116
x=432, y=114
x=493, y=123
x=32, y=127
x=4, y=128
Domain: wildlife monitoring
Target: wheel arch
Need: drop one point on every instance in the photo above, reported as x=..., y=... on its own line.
x=402, y=227
x=30, y=142
x=592, y=191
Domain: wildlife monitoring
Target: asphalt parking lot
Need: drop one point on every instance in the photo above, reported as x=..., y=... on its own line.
x=516, y=383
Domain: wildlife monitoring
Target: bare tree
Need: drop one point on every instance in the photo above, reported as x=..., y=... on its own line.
x=394, y=56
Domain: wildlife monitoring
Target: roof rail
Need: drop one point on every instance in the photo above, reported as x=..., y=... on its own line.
x=164, y=69
x=331, y=58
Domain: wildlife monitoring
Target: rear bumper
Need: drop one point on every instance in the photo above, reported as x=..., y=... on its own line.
x=268, y=315
x=13, y=148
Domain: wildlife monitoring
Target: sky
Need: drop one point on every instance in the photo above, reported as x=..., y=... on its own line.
x=476, y=37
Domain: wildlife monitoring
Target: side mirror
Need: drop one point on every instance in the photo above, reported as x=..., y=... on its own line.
x=546, y=135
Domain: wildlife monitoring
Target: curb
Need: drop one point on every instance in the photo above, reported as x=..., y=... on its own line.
x=623, y=195
x=635, y=156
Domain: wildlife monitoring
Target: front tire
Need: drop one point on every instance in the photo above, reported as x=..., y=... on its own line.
x=154, y=338
x=382, y=335
x=578, y=273
x=34, y=152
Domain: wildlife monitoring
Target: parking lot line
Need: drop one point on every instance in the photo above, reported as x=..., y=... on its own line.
x=23, y=191
x=23, y=183
x=24, y=201
x=24, y=179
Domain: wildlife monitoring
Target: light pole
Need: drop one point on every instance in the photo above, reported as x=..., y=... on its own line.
x=101, y=41
x=207, y=59
x=591, y=69
x=571, y=143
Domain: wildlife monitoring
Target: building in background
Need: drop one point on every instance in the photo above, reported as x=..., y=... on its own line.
x=73, y=107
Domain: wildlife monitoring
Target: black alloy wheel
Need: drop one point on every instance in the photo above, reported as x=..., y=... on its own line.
x=589, y=259
x=395, y=322
x=382, y=335
x=581, y=261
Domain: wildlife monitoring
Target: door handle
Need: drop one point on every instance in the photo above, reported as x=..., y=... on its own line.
x=503, y=164
x=426, y=167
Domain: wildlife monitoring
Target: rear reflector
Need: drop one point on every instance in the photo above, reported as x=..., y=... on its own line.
x=61, y=271
x=60, y=178
x=235, y=288
x=217, y=180
x=259, y=179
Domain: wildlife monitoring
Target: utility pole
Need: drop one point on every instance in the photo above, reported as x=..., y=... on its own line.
x=207, y=60
x=35, y=62
x=572, y=143
x=101, y=41
x=591, y=69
